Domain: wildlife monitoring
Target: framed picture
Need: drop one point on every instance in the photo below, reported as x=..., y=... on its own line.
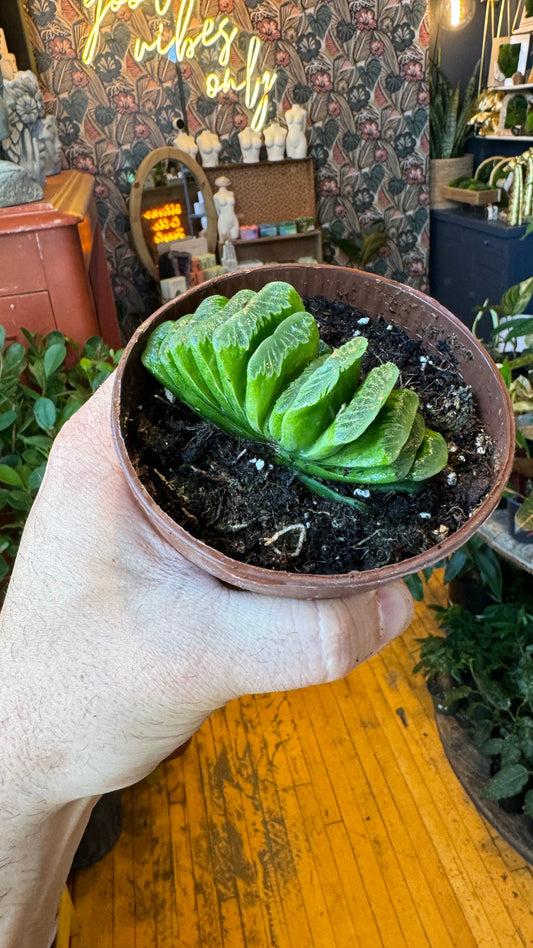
x=508, y=55
x=526, y=19
x=514, y=112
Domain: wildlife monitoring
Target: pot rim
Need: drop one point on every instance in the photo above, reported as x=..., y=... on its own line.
x=281, y=582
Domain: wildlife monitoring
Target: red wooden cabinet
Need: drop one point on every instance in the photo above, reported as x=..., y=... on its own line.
x=53, y=272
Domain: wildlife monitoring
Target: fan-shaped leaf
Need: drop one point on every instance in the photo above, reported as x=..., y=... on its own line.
x=355, y=418
x=319, y=398
x=276, y=362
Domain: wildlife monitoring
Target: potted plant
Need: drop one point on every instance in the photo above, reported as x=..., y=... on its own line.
x=480, y=675
x=342, y=507
x=449, y=130
x=511, y=345
x=42, y=384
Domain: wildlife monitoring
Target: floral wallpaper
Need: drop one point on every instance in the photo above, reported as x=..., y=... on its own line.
x=357, y=66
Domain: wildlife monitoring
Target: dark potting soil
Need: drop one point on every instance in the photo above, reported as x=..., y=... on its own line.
x=233, y=495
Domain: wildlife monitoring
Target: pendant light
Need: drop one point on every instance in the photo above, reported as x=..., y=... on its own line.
x=455, y=14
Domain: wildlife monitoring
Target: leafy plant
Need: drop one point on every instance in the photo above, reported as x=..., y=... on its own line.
x=474, y=562
x=482, y=670
x=255, y=366
x=39, y=392
x=359, y=249
x=449, y=112
x=509, y=327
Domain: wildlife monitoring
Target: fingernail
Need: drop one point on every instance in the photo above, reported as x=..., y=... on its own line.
x=396, y=609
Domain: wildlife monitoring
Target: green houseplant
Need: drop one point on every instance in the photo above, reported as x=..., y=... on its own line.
x=42, y=384
x=449, y=130
x=481, y=673
x=143, y=416
x=511, y=345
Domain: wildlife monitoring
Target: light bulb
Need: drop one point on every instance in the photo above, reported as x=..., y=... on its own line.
x=455, y=14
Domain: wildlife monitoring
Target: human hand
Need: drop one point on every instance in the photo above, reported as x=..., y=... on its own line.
x=125, y=648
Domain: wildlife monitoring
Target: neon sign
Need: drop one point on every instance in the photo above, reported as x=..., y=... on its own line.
x=165, y=223
x=256, y=85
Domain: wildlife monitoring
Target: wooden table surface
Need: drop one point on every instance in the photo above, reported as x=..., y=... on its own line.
x=322, y=818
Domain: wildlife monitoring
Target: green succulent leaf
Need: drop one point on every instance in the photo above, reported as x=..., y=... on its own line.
x=383, y=440
x=276, y=362
x=352, y=421
x=320, y=397
x=255, y=366
x=240, y=335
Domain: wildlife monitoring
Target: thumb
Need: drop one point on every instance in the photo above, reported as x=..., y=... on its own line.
x=279, y=644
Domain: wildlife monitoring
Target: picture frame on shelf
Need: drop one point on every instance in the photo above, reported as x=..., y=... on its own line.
x=498, y=76
x=525, y=24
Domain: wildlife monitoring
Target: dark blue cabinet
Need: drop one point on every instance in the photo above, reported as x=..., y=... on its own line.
x=472, y=259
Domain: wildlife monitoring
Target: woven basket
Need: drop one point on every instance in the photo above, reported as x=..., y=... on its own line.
x=444, y=170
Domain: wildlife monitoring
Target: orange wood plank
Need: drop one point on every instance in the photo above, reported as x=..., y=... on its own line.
x=371, y=857
x=124, y=875
x=144, y=906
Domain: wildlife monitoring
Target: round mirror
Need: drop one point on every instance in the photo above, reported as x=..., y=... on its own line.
x=170, y=199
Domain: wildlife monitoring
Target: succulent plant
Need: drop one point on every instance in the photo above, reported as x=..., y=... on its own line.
x=255, y=366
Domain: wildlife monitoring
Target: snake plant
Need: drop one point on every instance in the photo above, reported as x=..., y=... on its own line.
x=256, y=367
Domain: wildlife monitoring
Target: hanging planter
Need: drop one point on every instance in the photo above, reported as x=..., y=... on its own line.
x=399, y=314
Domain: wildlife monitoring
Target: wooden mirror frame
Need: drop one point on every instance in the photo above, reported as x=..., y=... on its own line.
x=144, y=169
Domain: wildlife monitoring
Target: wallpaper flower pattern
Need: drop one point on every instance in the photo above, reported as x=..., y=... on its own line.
x=357, y=66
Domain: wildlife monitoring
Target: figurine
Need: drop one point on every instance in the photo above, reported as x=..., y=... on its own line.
x=25, y=104
x=228, y=223
x=186, y=143
x=250, y=142
x=209, y=145
x=296, y=144
x=48, y=139
x=275, y=136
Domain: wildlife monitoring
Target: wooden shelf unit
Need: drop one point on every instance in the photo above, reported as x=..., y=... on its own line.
x=269, y=192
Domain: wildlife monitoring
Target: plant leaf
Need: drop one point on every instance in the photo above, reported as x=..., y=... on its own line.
x=355, y=418
x=320, y=396
x=515, y=300
x=431, y=458
x=506, y=783
x=200, y=338
x=239, y=336
x=45, y=413
x=276, y=362
x=524, y=515
x=54, y=356
x=383, y=440
x=8, y=475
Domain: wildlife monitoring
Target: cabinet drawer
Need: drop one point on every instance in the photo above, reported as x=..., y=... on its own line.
x=21, y=267
x=31, y=311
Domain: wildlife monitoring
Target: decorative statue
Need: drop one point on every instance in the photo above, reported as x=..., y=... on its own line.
x=296, y=144
x=48, y=138
x=209, y=145
x=25, y=104
x=250, y=142
x=17, y=186
x=228, y=223
x=275, y=136
x=186, y=143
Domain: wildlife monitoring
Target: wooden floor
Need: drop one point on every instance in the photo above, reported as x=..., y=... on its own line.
x=323, y=818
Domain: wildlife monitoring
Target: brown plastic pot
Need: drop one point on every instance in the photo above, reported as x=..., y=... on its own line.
x=422, y=317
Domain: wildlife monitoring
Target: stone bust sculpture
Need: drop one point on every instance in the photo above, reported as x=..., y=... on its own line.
x=25, y=104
